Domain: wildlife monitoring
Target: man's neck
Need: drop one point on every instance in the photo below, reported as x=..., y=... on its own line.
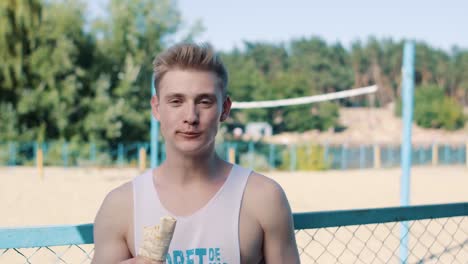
x=188, y=169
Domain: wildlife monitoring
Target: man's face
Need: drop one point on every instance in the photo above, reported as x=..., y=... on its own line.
x=189, y=108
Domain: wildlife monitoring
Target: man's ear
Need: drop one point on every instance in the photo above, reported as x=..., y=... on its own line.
x=155, y=107
x=226, y=109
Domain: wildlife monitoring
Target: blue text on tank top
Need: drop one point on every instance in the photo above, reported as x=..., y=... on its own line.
x=195, y=256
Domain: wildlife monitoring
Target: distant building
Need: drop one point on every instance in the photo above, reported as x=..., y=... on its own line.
x=258, y=130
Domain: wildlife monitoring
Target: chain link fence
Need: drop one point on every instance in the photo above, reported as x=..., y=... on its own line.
x=443, y=240
x=69, y=254
x=436, y=234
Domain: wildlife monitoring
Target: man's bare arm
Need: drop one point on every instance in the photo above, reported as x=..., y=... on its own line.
x=110, y=227
x=279, y=244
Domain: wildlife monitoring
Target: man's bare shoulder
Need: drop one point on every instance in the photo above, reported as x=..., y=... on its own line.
x=116, y=205
x=111, y=226
x=266, y=196
x=120, y=196
x=264, y=185
x=269, y=205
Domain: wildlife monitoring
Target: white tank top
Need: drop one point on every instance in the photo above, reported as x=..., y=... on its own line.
x=208, y=236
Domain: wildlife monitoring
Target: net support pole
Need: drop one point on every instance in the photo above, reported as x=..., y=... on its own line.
x=408, y=104
x=154, y=132
x=466, y=154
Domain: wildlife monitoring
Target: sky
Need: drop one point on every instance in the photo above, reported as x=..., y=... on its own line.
x=442, y=24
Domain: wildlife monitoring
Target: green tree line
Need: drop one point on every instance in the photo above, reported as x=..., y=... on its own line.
x=63, y=77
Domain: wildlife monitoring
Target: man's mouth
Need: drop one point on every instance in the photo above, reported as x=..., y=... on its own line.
x=189, y=134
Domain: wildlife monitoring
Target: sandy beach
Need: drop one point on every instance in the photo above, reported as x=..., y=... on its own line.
x=73, y=195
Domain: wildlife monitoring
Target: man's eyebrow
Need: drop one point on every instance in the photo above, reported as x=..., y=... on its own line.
x=199, y=96
x=172, y=95
x=207, y=95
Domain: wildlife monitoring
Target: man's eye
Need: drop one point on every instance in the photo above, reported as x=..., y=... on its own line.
x=175, y=101
x=206, y=102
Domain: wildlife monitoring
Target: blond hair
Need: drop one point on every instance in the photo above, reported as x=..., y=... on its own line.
x=190, y=56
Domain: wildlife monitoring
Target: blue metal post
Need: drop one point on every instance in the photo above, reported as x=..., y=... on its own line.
x=36, y=148
x=154, y=132
x=45, y=151
x=395, y=160
x=408, y=106
x=325, y=153
x=235, y=151
x=426, y=154
x=225, y=148
x=251, y=154
x=361, y=156
x=120, y=154
x=271, y=157
x=163, y=151
x=292, y=161
x=446, y=154
x=343, y=157
x=389, y=156
x=65, y=154
x=420, y=155
x=92, y=152
x=12, y=153
x=460, y=155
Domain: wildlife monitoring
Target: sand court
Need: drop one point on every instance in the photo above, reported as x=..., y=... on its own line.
x=73, y=195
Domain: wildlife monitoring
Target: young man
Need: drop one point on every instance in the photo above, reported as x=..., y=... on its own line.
x=225, y=213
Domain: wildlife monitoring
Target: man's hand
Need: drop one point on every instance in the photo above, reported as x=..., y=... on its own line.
x=140, y=260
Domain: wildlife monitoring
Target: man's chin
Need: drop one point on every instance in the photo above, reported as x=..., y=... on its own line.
x=193, y=150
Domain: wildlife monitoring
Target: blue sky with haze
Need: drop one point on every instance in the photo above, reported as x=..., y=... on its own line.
x=442, y=24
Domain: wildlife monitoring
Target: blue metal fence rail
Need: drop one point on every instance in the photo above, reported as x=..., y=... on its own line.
x=257, y=155
x=436, y=232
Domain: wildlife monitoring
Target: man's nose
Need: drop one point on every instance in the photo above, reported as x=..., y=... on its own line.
x=191, y=114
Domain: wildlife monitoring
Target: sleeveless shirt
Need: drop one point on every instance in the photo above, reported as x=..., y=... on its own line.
x=210, y=235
